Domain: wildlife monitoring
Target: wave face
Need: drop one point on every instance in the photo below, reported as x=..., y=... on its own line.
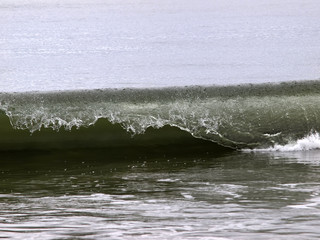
x=245, y=116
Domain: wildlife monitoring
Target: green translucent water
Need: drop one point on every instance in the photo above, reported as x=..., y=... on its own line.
x=244, y=116
x=149, y=163
x=105, y=135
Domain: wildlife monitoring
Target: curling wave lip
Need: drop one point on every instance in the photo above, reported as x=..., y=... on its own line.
x=243, y=116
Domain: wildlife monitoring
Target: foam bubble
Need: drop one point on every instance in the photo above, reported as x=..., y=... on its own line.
x=310, y=142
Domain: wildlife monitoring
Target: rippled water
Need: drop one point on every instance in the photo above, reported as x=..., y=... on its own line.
x=98, y=194
x=149, y=193
x=89, y=44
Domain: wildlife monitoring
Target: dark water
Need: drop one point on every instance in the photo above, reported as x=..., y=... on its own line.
x=164, y=193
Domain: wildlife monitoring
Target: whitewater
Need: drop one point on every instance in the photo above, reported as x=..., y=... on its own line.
x=140, y=119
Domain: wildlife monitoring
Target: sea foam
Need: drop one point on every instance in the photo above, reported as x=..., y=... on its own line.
x=309, y=142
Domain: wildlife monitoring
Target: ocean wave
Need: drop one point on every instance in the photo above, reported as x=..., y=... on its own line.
x=244, y=116
x=310, y=142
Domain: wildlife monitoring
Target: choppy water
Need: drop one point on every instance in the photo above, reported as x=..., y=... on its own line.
x=68, y=168
x=97, y=194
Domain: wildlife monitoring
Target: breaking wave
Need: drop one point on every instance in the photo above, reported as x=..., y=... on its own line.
x=265, y=116
x=310, y=142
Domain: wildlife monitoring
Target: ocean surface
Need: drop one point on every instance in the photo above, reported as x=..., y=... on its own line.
x=174, y=119
x=93, y=44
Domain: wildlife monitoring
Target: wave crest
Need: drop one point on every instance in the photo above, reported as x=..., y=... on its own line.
x=310, y=142
x=247, y=116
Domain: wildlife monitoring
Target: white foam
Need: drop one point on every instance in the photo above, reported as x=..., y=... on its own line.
x=310, y=142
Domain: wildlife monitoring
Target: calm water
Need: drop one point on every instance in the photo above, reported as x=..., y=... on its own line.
x=81, y=44
x=98, y=194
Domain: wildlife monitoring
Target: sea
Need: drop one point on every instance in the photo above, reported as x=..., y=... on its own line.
x=171, y=119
